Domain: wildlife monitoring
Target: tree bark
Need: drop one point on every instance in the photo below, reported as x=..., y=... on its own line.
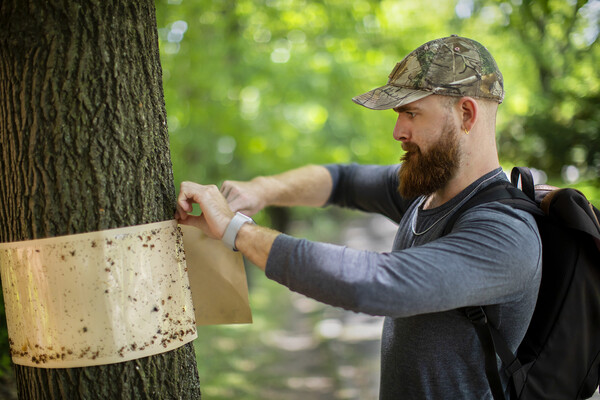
x=84, y=147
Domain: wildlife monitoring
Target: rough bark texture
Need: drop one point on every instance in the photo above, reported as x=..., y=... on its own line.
x=84, y=147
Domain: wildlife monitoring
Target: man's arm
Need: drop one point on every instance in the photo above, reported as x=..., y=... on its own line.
x=491, y=256
x=255, y=243
x=457, y=270
x=310, y=185
x=306, y=186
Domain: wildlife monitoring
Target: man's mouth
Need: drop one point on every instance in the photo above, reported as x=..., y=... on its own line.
x=410, y=150
x=410, y=147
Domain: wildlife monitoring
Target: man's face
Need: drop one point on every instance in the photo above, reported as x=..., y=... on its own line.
x=432, y=153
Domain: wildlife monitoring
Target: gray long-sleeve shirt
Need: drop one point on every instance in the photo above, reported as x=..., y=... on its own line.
x=430, y=349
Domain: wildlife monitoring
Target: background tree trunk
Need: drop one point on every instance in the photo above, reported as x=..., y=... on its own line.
x=84, y=147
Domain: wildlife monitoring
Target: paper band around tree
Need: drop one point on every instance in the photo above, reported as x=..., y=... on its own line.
x=97, y=298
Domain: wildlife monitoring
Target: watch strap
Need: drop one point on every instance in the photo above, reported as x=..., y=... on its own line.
x=233, y=228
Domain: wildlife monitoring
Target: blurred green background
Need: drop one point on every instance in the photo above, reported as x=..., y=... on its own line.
x=257, y=87
x=260, y=86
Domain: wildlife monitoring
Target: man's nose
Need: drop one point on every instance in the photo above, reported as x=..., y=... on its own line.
x=400, y=131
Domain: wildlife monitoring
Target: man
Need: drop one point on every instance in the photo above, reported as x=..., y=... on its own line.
x=446, y=94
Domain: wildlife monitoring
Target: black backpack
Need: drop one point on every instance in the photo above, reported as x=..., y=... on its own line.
x=559, y=358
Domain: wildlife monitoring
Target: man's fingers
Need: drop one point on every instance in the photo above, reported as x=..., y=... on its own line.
x=225, y=189
x=232, y=203
x=240, y=197
x=238, y=204
x=180, y=214
x=183, y=200
x=189, y=194
x=215, y=211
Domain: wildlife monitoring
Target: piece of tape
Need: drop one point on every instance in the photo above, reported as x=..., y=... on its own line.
x=97, y=298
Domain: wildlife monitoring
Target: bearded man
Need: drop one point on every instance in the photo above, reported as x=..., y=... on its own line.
x=446, y=94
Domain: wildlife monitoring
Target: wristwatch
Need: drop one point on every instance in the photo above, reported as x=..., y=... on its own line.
x=233, y=228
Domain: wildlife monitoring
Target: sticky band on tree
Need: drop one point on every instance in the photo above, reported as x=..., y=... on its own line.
x=97, y=298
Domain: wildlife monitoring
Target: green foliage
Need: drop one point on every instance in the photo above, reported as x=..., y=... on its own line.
x=259, y=86
x=557, y=122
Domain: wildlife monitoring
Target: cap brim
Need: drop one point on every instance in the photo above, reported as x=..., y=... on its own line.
x=389, y=96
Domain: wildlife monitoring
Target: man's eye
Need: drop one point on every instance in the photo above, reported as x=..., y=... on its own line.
x=411, y=114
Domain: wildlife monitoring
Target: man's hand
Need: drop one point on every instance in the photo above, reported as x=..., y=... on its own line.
x=245, y=197
x=305, y=186
x=253, y=241
x=216, y=213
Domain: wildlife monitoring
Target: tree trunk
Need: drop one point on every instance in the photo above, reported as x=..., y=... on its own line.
x=84, y=147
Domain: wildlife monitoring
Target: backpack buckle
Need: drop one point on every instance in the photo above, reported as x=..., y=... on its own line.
x=476, y=315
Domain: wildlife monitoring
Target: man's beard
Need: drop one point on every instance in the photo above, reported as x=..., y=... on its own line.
x=425, y=173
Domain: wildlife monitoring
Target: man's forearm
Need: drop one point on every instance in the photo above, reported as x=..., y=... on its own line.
x=306, y=186
x=255, y=243
x=310, y=185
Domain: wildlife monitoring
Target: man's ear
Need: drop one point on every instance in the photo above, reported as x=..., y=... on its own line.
x=469, y=111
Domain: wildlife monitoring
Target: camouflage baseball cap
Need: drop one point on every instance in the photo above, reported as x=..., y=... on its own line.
x=451, y=66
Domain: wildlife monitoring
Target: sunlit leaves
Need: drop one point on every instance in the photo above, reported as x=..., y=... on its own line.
x=277, y=77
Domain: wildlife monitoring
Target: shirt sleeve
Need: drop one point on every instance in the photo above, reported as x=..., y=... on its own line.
x=370, y=188
x=490, y=257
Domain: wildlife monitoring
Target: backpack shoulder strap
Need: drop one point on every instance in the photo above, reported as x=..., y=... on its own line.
x=501, y=191
x=521, y=176
x=491, y=341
